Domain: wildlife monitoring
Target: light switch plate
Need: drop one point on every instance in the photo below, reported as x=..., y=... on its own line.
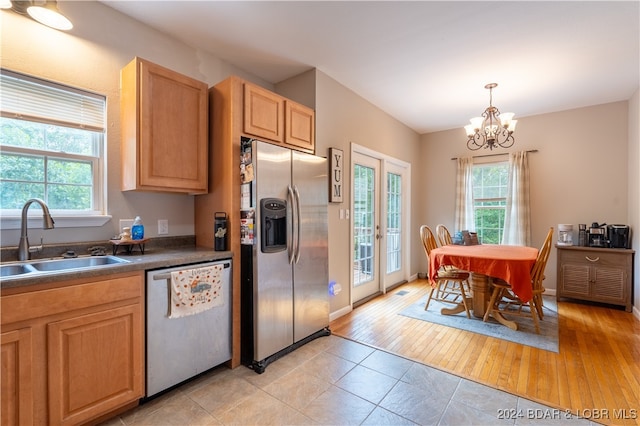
x=163, y=226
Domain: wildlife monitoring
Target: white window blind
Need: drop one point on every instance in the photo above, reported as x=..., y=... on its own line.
x=29, y=98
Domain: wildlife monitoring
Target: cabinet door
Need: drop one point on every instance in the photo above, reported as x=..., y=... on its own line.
x=609, y=285
x=164, y=130
x=95, y=363
x=575, y=280
x=300, y=126
x=263, y=113
x=173, y=135
x=16, y=378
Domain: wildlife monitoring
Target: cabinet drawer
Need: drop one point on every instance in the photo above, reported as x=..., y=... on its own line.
x=26, y=306
x=614, y=260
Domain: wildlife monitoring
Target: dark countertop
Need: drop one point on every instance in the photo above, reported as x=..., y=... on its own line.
x=153, y=258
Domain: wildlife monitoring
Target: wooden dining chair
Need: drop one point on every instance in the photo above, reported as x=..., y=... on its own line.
x=503, y=300
x=451, y=285
x=444, y=236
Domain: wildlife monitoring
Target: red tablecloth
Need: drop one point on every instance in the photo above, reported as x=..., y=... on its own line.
x=509, y=263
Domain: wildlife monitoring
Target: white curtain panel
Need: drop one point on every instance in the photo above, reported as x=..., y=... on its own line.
x=464, y=196
x=517, y=224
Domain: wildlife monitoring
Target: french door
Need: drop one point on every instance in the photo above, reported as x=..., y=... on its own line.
x=379, y=223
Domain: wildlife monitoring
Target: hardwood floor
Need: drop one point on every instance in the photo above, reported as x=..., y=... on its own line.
x=596, y=374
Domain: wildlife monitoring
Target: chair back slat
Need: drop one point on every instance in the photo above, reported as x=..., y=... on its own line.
x=537, y=271
x=428, y=240
x=444, y=236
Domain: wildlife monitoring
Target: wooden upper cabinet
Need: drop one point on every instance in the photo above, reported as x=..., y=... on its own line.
x=164, y=118
x=263, y=113
x=300, y=128
x=273, y=118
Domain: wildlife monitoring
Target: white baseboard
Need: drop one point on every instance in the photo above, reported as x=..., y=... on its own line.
x=339, y=313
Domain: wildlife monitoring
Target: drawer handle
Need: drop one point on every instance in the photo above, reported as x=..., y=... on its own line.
x=592, y=260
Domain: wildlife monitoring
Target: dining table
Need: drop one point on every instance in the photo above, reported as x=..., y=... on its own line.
x=486, y=262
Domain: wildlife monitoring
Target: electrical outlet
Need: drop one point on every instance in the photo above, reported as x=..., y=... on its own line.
x=163, y=226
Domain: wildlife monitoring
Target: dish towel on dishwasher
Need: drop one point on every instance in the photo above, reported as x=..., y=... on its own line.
x=195, y=290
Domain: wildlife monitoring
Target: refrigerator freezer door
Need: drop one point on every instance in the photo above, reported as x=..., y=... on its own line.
x=310, y=272
x=273, y=282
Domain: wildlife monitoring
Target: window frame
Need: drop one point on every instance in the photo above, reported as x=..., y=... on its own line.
x=96, y=216
x=477, y=199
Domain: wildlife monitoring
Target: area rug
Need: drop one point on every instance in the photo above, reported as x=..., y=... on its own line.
x=525, y=335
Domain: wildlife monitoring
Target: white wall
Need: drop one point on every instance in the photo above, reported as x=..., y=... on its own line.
x=579, y=174
x=90, y=57
x=342, y=118
x=634, y=191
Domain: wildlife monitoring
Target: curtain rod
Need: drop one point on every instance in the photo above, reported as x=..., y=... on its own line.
x=494, y=155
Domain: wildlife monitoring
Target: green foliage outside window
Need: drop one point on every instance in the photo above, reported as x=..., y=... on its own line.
x=490, y=200
x=46, y=161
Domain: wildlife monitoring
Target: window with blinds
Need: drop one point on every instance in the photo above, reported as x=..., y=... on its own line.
x=51, y=145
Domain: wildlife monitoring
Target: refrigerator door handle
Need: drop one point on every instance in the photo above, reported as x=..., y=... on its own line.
x=291, y=241
x=297, y=222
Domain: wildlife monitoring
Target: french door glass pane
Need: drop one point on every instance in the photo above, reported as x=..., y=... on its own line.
x=394, y=221
x=363, y=223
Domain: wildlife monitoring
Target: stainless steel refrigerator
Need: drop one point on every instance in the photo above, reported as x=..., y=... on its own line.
x=284, y=253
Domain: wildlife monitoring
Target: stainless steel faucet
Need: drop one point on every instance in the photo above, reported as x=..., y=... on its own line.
x=24, y=251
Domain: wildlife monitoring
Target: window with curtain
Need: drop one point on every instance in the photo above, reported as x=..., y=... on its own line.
x=490, y=200
x=51, y=145
x=493, y=200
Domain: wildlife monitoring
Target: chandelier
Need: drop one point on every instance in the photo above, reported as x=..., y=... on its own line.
x=492, y=129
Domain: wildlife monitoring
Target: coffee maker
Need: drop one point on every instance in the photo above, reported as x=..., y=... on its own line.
x=598, y=235
x=619, y=236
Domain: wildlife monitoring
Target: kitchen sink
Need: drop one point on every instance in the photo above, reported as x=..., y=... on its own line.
x=74, y=263
x=15, y=269
x=58, y=265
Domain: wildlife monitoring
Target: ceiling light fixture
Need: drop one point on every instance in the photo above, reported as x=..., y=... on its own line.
x=492, y=129
x=46, y=12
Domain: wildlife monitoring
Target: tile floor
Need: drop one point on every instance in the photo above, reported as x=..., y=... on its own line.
x=334, y=381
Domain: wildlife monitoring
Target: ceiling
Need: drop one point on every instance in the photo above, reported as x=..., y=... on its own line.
x=424, y=62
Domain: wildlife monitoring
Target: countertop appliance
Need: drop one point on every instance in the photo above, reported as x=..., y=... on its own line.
x=284, y=251
x=619, y=236
x=181, y=348
x=598, y=235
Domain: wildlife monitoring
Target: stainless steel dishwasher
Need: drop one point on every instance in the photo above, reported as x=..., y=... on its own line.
x=181, y=348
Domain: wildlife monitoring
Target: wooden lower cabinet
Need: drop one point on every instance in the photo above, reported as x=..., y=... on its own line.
x=596, y=274
x=73, y=354
x=93, y=363
x=16, y=376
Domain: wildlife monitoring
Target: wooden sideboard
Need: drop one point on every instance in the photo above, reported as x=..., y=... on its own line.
x=596, y=274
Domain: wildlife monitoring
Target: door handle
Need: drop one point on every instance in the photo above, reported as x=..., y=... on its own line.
x=290, y=237
x=297, y=195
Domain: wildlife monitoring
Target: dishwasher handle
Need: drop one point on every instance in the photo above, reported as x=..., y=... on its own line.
x=167, y=275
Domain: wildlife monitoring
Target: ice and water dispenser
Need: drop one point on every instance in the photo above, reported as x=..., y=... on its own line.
x=273, y=218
